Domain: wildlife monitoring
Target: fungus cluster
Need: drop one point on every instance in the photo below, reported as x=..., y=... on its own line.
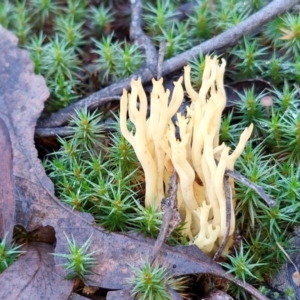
x=195, y=154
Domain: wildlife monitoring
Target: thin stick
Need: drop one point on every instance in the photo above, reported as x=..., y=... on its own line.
x=258, y=189
x=138, y=35
x=171, y=217
x=65, y=131
x=103, y=101
x=160, y=61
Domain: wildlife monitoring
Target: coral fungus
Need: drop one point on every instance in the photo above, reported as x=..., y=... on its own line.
x=196, y=156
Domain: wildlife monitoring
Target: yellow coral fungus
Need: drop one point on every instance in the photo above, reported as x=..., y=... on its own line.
x=197, y=157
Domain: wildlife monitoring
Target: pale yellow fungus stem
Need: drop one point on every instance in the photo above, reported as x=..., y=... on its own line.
x=187, y=82
x=184, y=170
x=220, y=192
x=176, y=99
x=140, y=144
x=240, y=147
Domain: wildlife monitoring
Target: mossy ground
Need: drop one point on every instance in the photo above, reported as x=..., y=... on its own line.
x=82, y=46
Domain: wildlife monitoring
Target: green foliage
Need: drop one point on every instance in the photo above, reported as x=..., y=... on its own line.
x=6, y=10
x=22, y=26
x=291, y=137
x=59, y=59
x=257, y=170
x=243, y=266
x=296, y=69
x=247, y=57
x=175, y=41
x=71, y=31
x=269, y=160
x=115, y=209
x=283, y=131
x=59, y=36
x=43, y=9
x=107, y=51
x=36, y=51
x=290, y=33
x=202, y=27
x=102, y=180
x=121, y=151
x=148, y=220
x=249, y=110
x=59, y=63
x=101, y=17
x=185, y=34
x=285, y=98
x=229, y=13
x=117, y=60
x=129, y=59
x=272, y=32
x=275, y=69
x=152, y=283
x=76, y=10
x=225, y=129
x=80, y=260
x=63, y=91
x=87, y=133
x=8, y=254
x=289, y=293
x=197, y=68
x=158, y=17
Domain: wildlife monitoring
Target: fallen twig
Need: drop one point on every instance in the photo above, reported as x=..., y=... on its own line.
x=160, y=60
x=139, y=37
x=65, y=131
x=171, y=217
x=258, y=189
x=225, y=39
x=102, y=101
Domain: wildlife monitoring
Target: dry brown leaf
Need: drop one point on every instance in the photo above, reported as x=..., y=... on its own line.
x=21, y=100
x=33, y=276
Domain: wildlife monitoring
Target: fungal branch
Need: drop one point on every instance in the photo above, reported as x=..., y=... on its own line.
x=196, y=156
